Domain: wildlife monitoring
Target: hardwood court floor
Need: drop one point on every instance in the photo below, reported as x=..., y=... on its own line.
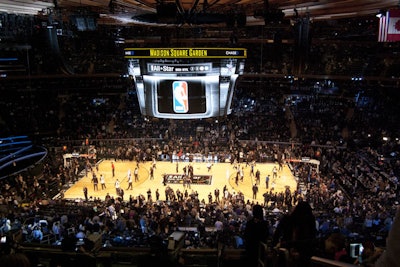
x=222, y=174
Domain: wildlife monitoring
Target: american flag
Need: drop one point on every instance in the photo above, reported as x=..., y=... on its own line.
x=389, y=26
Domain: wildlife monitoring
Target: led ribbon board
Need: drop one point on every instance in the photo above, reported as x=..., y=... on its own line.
x=185, y=53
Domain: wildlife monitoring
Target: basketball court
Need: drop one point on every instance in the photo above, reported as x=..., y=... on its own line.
x=204, y=182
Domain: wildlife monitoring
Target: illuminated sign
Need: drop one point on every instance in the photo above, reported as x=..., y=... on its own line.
x=185, y=83
x=180, y=93
x=185, y=53
x=171, y=68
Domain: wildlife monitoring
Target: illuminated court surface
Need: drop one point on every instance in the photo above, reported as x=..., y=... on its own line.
x=221, y=174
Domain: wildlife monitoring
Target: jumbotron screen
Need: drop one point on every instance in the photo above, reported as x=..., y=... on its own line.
x=185, y=83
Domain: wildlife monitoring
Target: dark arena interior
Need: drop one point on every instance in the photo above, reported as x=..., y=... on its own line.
x=199, y=133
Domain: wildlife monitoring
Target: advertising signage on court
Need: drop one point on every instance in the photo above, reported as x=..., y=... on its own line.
x=185, y=53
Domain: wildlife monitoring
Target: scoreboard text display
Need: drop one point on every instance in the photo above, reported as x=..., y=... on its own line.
x=185, y=53
x=185, y=83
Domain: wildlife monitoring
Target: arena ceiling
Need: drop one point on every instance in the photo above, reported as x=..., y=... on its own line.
x=133, y=11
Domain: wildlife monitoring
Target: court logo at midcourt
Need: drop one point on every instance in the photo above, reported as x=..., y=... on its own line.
x=178, y=179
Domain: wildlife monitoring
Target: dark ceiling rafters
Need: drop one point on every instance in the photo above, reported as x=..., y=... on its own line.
x=317, y=9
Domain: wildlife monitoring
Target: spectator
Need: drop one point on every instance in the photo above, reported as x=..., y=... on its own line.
x=256, y=231
x=37, y=234
x=301, y=231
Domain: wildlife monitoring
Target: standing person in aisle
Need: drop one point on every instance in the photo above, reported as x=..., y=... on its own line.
x=256, y=231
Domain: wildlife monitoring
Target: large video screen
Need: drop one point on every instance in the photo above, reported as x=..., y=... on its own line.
x=181, y=97
x=185, y=83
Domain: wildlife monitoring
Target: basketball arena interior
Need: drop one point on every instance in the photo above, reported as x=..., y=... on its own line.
x=199, y=133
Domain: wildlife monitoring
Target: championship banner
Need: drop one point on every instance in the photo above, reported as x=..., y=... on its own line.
x=178, y=179
x=389, y=26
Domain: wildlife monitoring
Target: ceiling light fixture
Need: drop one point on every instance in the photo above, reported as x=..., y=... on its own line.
x=381, y=13
x=26, y=7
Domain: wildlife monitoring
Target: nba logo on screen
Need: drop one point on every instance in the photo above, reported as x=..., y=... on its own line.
x=181, y=99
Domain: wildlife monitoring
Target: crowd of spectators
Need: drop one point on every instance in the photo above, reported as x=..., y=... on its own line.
x=353, y=193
